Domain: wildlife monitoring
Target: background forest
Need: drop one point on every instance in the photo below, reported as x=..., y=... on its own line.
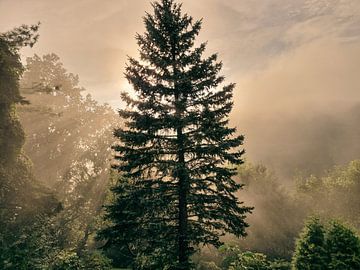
x=56, y=176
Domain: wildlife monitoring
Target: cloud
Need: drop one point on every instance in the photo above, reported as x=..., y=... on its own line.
x=296, y=113
x=296, y=64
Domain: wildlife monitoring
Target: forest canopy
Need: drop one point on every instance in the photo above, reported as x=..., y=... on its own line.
x=162, y=181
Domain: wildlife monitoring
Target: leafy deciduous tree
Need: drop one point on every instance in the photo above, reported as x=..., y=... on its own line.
x=24, y=203
x=73, y=133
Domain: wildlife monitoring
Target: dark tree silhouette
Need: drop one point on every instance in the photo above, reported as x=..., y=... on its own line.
x=177, y=151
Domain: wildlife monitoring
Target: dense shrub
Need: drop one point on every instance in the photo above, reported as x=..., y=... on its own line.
x=235, y=259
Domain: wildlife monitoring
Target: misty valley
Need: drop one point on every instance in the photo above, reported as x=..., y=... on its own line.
x=161, y=179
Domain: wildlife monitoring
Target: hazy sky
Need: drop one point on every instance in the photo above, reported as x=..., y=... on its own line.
x=290, y=58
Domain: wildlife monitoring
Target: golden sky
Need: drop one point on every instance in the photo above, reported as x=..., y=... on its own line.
x=291, y=59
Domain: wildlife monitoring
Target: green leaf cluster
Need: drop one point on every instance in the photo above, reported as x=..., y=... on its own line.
x=235, y=259
x=26, y=207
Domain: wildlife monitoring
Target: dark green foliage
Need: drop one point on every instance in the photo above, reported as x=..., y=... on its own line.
x=207, y=255
x=11, y=69
x=327, y=247
x=310, y=252
x=251, y=261
x=230, y=254
x=24, y=204
x=96, y=261
x=67, y=260
x=235, y=259
x=129, y=206
x=22, y=36
x=343, y=247
x=280, y=265
x=176, y=152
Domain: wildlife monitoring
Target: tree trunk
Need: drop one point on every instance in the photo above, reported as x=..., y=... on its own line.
x=183, y=214
x=182, y=177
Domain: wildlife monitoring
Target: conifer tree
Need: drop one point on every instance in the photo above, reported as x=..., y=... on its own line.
x=334, y=246
x=343, y=247
x=176, y=152
x=310, y=252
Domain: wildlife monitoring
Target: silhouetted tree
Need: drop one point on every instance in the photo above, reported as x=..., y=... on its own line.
x=177, y=152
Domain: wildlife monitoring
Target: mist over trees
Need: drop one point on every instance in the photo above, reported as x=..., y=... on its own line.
x=73, y=133
x=25, y=205
x=64, y=156
x=46, y=223
x=318, y=140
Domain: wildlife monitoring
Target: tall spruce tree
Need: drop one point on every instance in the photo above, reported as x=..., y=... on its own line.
x=176, y=152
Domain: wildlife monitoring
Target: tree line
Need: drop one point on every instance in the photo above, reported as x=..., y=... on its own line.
x=177, y=181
